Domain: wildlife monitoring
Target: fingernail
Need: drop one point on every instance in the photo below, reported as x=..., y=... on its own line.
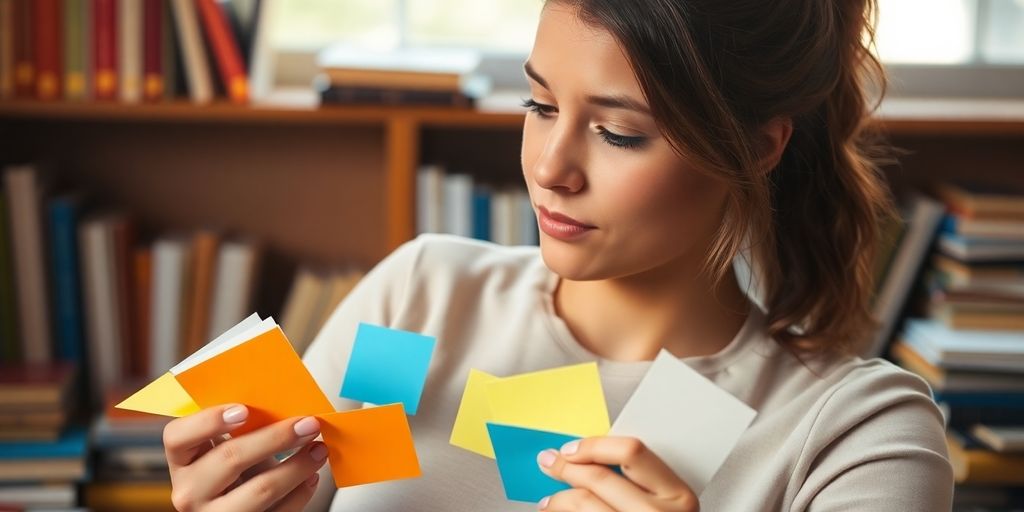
x=313, y=479
x=570, y=447
x=319, y=452
x=307, y=426
x=236, y=414
x=543, y=503
x=546, y=458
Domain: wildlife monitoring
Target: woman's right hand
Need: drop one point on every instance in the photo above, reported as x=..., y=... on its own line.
x=209, y=472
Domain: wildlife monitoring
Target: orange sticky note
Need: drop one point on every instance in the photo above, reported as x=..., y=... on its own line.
x=369, y=445
x=265, y=374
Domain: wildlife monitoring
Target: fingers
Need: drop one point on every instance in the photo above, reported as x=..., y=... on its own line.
x=185, y=439
x=580, y=500
x=299, y=497
x=638, y=463
x=287, y=483
x=212, y=473
x=604, y=483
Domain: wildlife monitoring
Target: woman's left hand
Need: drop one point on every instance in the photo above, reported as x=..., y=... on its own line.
x=646, y=482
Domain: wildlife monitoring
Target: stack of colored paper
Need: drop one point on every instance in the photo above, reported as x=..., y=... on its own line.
x=681, y=416
x=236, y=368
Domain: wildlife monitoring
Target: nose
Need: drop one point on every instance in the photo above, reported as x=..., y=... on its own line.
x=559, y=165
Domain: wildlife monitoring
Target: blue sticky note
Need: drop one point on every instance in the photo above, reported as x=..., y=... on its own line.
x=515, y=450
x=387, y=366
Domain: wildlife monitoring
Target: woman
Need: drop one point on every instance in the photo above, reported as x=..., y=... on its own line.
x=667, y=140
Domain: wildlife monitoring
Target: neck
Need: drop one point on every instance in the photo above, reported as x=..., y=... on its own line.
x=633, y=318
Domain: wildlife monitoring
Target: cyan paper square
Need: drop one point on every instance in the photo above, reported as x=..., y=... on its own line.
x=387, y=366
x=515, y=450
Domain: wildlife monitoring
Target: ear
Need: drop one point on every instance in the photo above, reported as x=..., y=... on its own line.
x=775, y=136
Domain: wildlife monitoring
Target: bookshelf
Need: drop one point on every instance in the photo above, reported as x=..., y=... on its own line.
x=337, y=184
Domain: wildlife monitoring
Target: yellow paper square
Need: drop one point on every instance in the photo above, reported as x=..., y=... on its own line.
x=568, y=400
x=470, y=430
x=163, y=396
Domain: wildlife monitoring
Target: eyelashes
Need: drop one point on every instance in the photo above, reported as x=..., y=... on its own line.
x=620, y=141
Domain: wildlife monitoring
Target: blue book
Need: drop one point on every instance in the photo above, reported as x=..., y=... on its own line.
x=72, y=443
x=482, y=213
x=63, y=227
x=1002, y=399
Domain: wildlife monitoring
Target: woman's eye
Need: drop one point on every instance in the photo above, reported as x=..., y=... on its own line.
x=621, y=141
x=540, y=109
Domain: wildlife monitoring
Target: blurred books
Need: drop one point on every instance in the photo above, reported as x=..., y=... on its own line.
x=970, y=345
x=353, y=75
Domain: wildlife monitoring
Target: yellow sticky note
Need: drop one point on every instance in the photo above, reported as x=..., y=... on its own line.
x=163, y=396
x=470, y=430
x=568, y=400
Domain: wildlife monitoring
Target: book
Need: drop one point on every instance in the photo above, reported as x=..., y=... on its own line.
x=941, y=379
x=981, y=249
x=48, y=38
x=444, y=70
x=67, y=298
x=170, y=261
x=482, y=212
x=458, y=204
x=153, y=61
x=141, y=308
x=24, y=50
x=122, y=229
x=358, y=95
x=73, y=443
x=964, y=226
x=39, y=496
x=186, y=22
x=340, y=285
x=978, y=200
x=130, y=49
x=963, y=349
x=77, y=40
x=430, y=199
x=234, y=284
x=995, y=278
x=304, y=306
x=24, y=192
x=504, y=220
x=202, y=260
x=1000, y=438
x=225, y=50
x=973, y=463
x=29, y=387
x=104, y=50
x=921, y=216
x=102, y=306
x=128, y=496
x=6, y=49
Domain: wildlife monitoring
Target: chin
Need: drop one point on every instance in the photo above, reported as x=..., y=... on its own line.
x=572, y=261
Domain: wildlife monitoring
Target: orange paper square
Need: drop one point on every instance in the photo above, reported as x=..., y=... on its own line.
x=265, y=374
x=369, y=445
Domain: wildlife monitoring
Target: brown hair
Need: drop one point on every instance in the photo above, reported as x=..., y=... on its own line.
x=713, y=72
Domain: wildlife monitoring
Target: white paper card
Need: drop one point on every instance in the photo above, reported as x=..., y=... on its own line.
x=684, y=418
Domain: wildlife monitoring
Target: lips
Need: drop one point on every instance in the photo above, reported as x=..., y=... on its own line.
x=565, y=219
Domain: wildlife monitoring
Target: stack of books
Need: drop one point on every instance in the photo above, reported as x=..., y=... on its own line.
x=127, y=50
x=455, y=203
x=42, y=456
x=970, y=348
x=354, y=75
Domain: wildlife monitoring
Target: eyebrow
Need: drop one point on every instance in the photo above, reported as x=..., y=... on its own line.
x=620, y=101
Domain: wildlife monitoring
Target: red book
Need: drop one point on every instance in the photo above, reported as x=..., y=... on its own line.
x=104, y=49
x=225, y=49
x=49, y=42
x=152, y=51
x=24, y=63
x=124, y=267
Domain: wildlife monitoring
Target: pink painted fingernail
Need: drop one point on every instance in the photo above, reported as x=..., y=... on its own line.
x=313, y=479
x=570, y=447
x=543, y=503
x=546, y=458
x=236, y=414
x=319, y=452
x=307, y=426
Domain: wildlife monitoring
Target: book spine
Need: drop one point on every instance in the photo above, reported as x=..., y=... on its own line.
x=104, y=49
x=67, y=296
x=123, y=237
x=200, y=87
x=24, y=62
x=76, y=49
x=129, y=49
x=481, y=214
x=6, y=49
x=23, y=192
x=204, y=252
x=153, y=51
x=226, y=51
x=10, y=347
x=142, y=267
x=49, y=43
x=99, y=294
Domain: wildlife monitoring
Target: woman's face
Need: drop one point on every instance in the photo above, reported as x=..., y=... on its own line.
x=592, y=153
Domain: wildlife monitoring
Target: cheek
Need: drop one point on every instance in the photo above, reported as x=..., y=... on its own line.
x=533, y=141
x=670, y=197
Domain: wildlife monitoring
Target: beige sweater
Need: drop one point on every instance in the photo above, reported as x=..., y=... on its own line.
x=843, y=435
